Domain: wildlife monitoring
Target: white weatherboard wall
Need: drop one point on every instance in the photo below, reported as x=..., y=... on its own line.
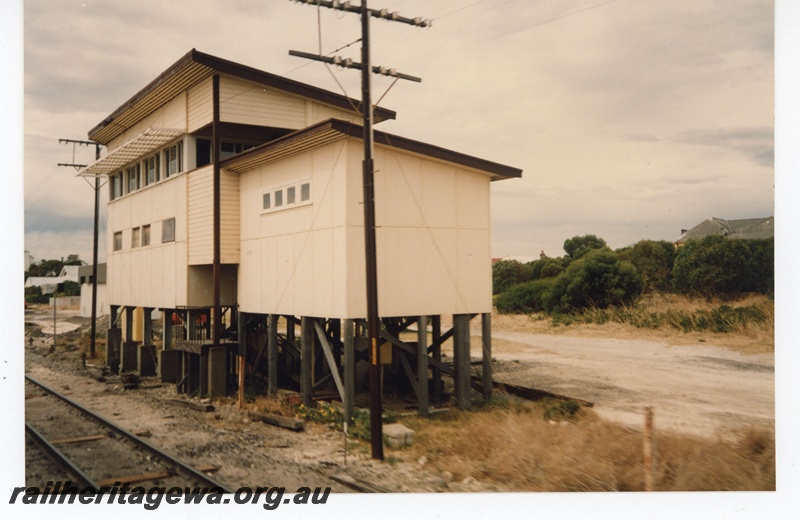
x=250, y=103
x=433, y=236
x=154, y=275
x=171, y=116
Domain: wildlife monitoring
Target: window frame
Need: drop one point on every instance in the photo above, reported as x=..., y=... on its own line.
x=168, y=230
x=286, y=196
x=146, y=235
x=136, y=237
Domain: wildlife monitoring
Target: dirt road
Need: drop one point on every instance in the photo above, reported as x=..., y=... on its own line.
x=697, y=389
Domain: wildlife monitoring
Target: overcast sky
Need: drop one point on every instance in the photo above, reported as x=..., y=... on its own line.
x=629, y=119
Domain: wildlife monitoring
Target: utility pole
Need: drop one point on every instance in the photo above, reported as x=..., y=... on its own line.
x=373, y=324
x=93, y=339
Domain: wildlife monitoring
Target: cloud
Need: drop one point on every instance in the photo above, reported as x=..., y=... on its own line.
x=756, y=143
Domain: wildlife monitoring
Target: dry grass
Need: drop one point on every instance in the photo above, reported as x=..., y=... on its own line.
x=514, y=447
x=746, y=338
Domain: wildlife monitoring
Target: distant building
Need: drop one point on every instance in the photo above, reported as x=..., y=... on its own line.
x=49, y=284
x=750, y=228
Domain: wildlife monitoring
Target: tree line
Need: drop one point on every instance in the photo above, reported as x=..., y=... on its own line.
x=592, y=275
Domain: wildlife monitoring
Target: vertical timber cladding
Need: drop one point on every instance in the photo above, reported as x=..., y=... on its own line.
x=200, y=217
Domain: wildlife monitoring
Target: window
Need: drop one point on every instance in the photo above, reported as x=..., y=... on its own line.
x=136, y=237
x=151, y=166
x=173, y=159
x=168, y=230
x=203, y=152
x=285, y=197
x=146, y=235
x=132, y=175
x=116, y=186
x=118, y=241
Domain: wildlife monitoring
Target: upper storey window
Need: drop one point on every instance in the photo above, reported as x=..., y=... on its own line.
x=205, y=154
x=152, y=169
x=173, y=158
x=160, y=165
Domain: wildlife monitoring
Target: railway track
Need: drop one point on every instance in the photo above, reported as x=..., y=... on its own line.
x=97, y=453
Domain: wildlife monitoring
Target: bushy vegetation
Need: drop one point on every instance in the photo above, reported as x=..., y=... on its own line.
x=592, y=283
x=715, y=267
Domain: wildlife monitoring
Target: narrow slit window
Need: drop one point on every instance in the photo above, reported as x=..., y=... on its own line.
x=267, y=201
x=145, y=235
x=168, y=230
x=290, y=194
x=279, y=198
x=136, y=237
x=118, y=241
x=305, y=192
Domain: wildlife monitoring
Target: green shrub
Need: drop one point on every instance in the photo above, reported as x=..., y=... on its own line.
x=508, y=273
x=554, y=409
x=577, y=247
x=598, y=279
x=717, y=267
x=526, y=297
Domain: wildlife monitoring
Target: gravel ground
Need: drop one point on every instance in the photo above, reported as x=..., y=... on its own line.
x=248, y=453
x=697, y=389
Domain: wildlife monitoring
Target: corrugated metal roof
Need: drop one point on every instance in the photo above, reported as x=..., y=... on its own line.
x=751, y=228
x=335, y=129
x=193, y=68
x=148, y=141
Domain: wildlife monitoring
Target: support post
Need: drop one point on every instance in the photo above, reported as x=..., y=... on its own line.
x=486, y=336
x=241, y=337
x=128, y=324
x=349, y=371
x=436, y=373
x=166, y=331
x=147, y=326
x=216, y=319
x=648, y=448
x=93, y=337
x=203, y=383
x=422, y=365
x=272, y=355
x=461, y=358
x=306, y=351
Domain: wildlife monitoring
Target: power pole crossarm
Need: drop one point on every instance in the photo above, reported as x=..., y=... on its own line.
x=347, y=63
x=383, y=14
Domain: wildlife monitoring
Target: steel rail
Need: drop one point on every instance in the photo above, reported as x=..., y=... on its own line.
x=59, y=457
x=136, y=439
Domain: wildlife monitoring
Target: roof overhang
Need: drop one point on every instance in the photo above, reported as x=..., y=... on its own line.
x=193, y=68
x=148, y=141
x=333, y=130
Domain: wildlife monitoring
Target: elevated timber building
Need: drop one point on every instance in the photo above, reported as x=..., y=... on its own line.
x=235, y=209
